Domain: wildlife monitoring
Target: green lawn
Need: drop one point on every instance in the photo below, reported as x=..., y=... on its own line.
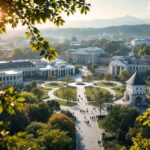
x=55, y=84
x=68, y=93
x=119, y=91
x=64, y=103
x=106, y=84
x=45, y=94
x=91, y=92
x=46, y=88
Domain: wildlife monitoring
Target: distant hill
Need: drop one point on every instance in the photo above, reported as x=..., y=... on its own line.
x=126, y=20
x=125, y=30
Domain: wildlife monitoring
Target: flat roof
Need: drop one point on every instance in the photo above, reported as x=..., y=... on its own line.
x=11, y=72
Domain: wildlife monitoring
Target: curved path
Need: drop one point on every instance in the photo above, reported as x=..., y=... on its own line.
x=88, y=134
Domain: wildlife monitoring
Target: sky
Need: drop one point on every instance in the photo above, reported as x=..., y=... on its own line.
x=107, y=9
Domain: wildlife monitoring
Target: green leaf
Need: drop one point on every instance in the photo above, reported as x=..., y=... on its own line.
x=1, y=108
x=20, y=99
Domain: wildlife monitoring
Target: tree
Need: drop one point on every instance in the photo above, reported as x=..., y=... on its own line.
x=38, y=92
x=29, y=13
x=38, y=112
x=34, y=84
x=67, y=93
x=62, y=122
x=9, y=102
x=103, y=98
x=56, y=140
x=52, y=78
x=124, y=75
x=142, y=139
x=67, y=79
x=28, y=96
x=34, y=127
x=119, y=120
x=107, y=77
x=77, y=69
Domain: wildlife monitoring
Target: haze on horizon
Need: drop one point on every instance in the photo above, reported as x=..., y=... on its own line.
x=108, y=9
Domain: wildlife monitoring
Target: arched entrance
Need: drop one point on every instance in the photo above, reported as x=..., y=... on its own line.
x=138, y=101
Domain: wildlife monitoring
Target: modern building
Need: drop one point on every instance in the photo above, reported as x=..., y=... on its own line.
x=89, y=55
x=129, y=64
x=140, y=41
x=135, y=90
x=16, y=71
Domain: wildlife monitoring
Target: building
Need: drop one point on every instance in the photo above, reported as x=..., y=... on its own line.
x=129, y=64
x=135, y=90
x=104, y=58
x=16, y=71
x=11, y=77
x=89, y=55
x=57, y=68
x=27, y=67
x=140, y=41
x=102, y=70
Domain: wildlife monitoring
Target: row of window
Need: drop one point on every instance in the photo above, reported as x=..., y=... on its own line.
x=6, y=78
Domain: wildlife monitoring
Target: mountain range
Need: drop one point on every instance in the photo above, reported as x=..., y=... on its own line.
x=100, y=23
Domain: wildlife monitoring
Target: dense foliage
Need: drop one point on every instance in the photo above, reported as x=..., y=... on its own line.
x=32, y=12
x=142, y=50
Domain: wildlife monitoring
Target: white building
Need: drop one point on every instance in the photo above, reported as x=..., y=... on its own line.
x=27, y=67
x=15, y=72
x=140, y=41
x=11, y=77
x=102, y=70
x=57, y=68
x=89, y=55
x=129, y=64
x=135, y=90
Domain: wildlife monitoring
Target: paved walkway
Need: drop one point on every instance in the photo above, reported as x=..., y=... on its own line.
x=88, y=134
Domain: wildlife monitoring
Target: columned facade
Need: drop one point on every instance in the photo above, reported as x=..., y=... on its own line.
x=11, y=78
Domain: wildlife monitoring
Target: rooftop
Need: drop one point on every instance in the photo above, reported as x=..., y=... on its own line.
x=15, y=64
x=10, y=72
x=136, y=79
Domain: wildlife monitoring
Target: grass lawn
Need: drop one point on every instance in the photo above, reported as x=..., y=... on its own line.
x=106, y=84
x=46, y=88
x=68, y=93
x=119, y=91
x=64, y=103
x=55, y=84
x=45, y=94
x=91, y=92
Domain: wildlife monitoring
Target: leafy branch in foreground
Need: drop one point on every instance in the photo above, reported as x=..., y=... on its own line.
x=31, y=12
x=9, y=102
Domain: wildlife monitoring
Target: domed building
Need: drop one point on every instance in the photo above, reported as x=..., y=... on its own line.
x=135, y=90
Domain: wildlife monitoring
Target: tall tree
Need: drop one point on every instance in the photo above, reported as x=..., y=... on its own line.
x=102, y=99
x=124, y=75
